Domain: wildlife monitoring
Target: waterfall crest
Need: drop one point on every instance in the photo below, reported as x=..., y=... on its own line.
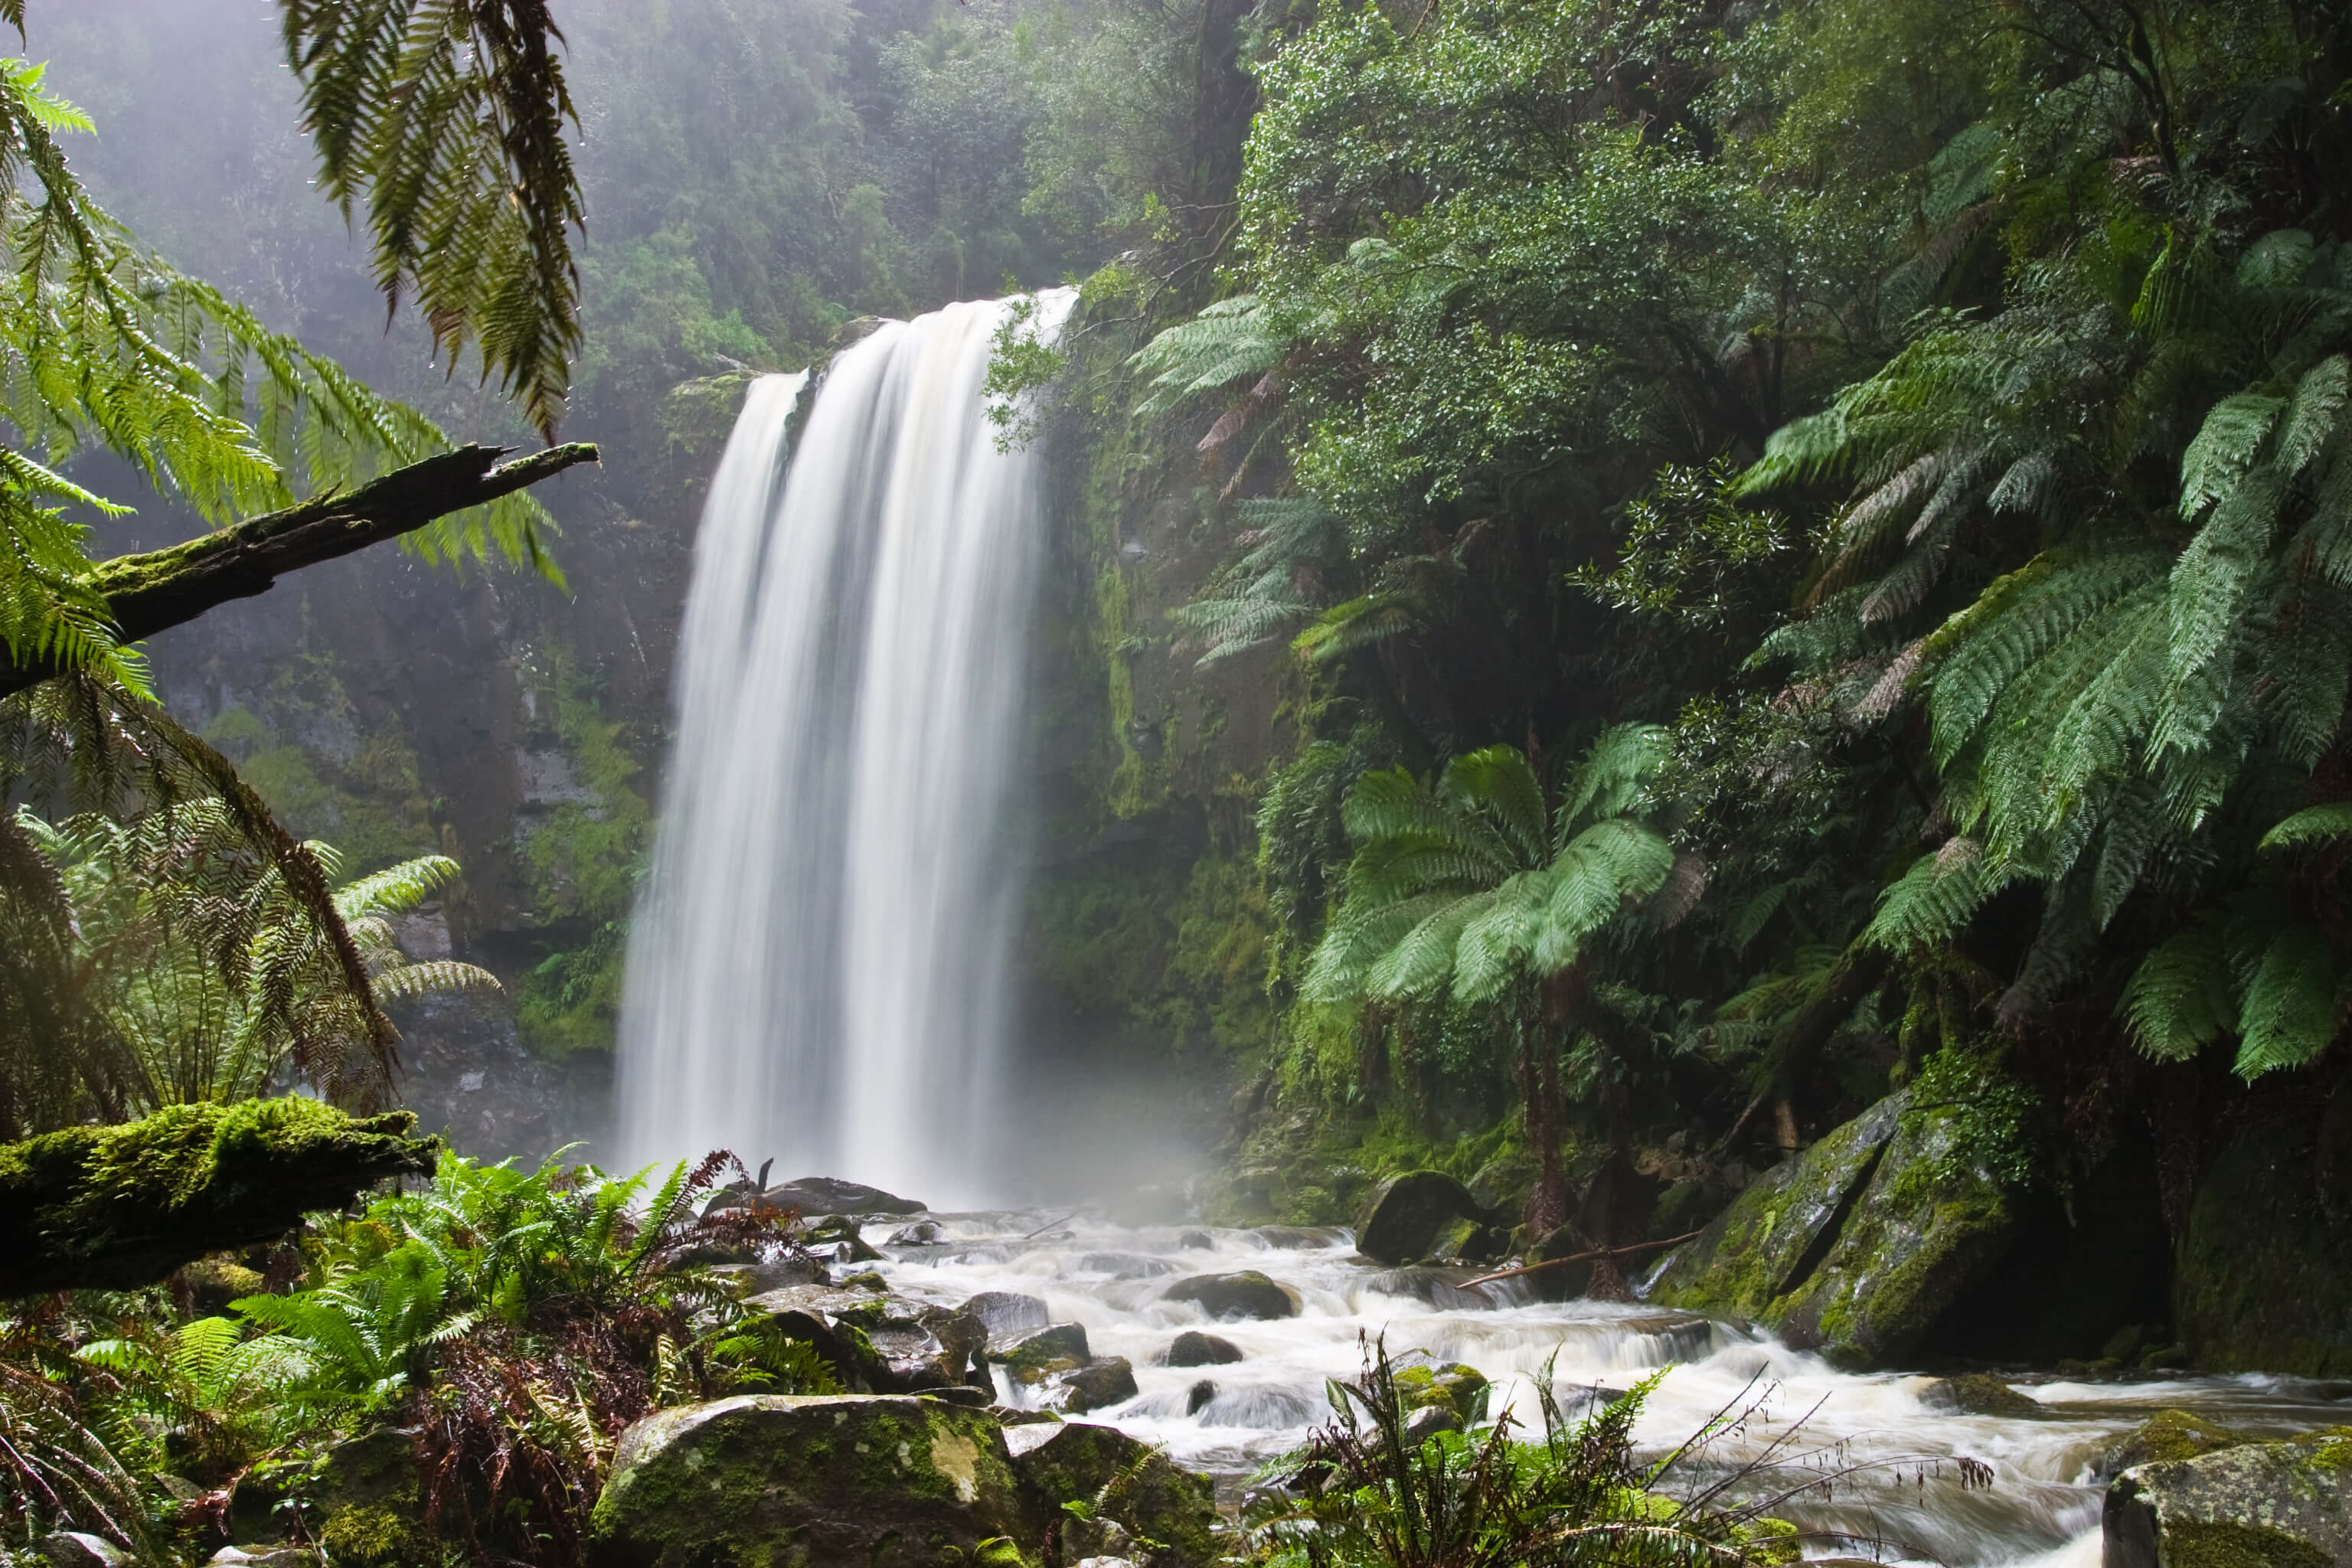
x=816, y=967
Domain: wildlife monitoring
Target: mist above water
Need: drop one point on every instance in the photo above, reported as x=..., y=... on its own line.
x=817, y=969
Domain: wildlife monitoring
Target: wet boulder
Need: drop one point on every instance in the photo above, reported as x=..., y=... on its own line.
x=1007, y=1315
x=2167, y=1437
x=837, y=1238
x=1048, y=1353
x=1097, y=1385
x=1194, y=1348
x=1245, y=1294
x=1153, y=1500
x=1405, y=1216
x=1855, y=1248
x=813, y=1195
x=1200, y=1396
x=822, y=1480
x=1763, y=1245
x=2286, y=1505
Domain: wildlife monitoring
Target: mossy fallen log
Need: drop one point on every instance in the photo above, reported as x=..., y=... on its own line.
x=113, y=1208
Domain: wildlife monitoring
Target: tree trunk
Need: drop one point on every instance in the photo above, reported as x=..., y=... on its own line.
x=147, y=592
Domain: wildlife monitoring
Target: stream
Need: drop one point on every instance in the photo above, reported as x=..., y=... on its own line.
x=1891, y=1456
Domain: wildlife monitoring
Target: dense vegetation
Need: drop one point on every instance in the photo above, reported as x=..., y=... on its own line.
x=1933, y=416
x=1804, y=548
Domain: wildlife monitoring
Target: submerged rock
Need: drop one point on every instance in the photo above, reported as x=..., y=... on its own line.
x=2283, y=1505
x=1246, y=1294
x=1153, y=1500
x=1198, y=1397
x=1975, y=1394
x=1856, y=1247
x=822, y=1480
x=1403, y=1218
x=2167, y=1437
x=1194, y=1348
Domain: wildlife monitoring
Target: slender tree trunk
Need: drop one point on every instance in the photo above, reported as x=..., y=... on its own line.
x=1546, y=1206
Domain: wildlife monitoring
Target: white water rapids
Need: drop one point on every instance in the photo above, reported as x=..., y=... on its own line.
x=1893, y=1452
x=816, y=968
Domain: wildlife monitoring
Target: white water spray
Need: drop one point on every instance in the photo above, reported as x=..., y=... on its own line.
x=816, y=971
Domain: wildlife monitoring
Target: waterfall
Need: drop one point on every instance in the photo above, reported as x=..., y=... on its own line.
x=816, y=970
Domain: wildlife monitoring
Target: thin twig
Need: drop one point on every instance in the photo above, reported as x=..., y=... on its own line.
x=1051, y=1223
x=1578, y=1258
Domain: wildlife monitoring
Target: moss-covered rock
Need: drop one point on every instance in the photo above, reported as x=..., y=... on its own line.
x=1768, y=1242
x=2256, y=1505
x=1933, y=1219
x=1114, y=1477
x=1976, y=1394
x=1461, y=1389
x=1406, y=1215
x=119, y=1207
x=1051, y=1351
x=1856, y=1248
x=2169, y=1437
x=816, y=1481
x=371, y=1508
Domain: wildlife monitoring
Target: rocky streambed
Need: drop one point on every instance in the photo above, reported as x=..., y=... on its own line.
x=1215, y=1345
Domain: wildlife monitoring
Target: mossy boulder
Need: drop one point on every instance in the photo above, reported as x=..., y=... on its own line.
x=1245, y=1294
x=1460, y=1389
x=1407, y=1216
x=816, y=1481
x=371, y=1506
x=1976, y=1393
x=109, y=1208
x=1123, y=1480
x=1856, y=1248
x=1768, y=1242
x=1048, y=1353
x=1933, y=1219
x=2255, y=1505
x=2169, y=1437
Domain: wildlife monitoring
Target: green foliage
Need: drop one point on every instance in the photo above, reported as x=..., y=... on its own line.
x=1575, y=1495
x=1478, y=886
x=449, y=116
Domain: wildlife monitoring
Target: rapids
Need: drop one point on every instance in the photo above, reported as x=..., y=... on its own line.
x=1889, y=1457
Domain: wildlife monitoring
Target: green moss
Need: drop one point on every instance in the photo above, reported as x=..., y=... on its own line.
x=113, y=1207
x=2218, y=1544
x=372, y=1537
